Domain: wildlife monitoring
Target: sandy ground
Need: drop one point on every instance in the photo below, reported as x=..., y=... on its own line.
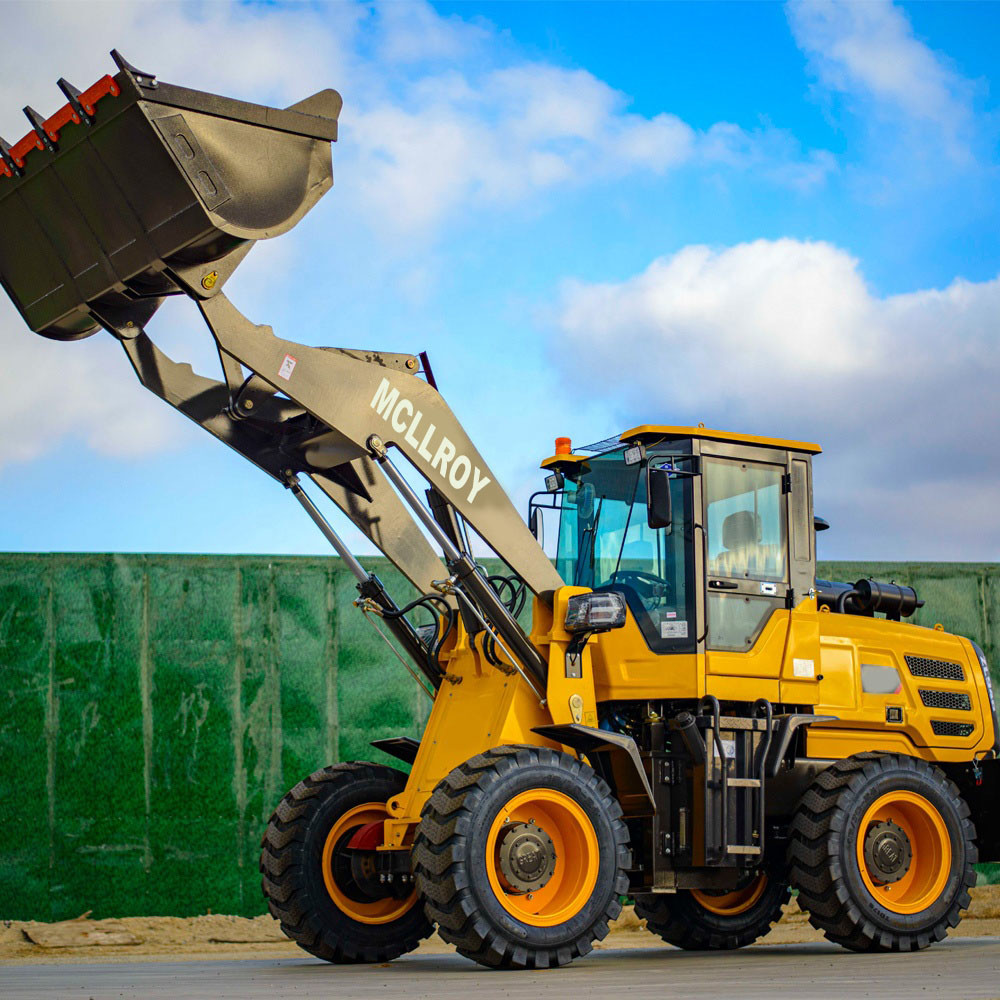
x=218, y=936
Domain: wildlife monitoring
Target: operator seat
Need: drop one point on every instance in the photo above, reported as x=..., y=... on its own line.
x=743, y=554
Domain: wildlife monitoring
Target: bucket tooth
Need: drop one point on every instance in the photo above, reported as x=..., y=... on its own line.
x=73, y=96
x=8, y=160
x=38, y=127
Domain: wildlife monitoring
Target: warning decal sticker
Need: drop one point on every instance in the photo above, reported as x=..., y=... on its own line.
x=674, y=630
x=287, y=367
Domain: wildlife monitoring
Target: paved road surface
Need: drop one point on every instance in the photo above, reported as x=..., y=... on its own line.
x=965, y=968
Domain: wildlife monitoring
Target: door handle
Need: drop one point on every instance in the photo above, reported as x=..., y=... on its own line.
x=722, y=585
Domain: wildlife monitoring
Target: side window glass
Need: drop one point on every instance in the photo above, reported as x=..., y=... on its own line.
x=746, y=520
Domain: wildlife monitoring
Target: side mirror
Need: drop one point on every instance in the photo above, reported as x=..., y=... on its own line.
x=536, y=524
x=659, y=509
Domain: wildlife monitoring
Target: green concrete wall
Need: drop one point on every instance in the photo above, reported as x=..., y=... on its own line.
x=155, y=708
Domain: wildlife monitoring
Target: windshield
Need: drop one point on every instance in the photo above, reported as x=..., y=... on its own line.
x=606, y=543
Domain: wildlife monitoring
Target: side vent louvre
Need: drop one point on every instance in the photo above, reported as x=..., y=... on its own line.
x=941, y=670
x=955, y=701
x=943, y=728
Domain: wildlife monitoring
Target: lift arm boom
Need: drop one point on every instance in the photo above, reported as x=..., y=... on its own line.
x=137, y=190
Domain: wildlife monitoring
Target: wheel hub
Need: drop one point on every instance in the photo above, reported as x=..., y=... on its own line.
x=887, y=852
x=527, y=857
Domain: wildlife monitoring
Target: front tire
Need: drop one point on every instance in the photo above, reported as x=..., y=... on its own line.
x=882, y=853
x=307, y=876
x=521, y=855
x=705, y=921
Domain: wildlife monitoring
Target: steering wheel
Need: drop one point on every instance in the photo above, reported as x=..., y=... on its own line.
x=646, y=585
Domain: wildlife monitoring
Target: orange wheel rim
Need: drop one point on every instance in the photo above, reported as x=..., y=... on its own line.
x=731, y=904
x=930, y=852
x=577, y=857
x=378, y=911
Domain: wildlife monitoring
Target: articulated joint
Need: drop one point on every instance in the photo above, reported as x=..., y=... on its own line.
x=377, y=448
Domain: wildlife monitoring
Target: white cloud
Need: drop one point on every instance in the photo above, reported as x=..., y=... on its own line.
x=784, y=338
x=497, y=137
x=868, y=50
x=442, y=117
x=82, y=392
x=501, y=137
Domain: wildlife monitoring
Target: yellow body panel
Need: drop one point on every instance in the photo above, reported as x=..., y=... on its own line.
x=762, y=660
x=485, y=706
x=802, y=657
x=480, y=708
x=848, y=644
x=814, y=659
x=625, y=669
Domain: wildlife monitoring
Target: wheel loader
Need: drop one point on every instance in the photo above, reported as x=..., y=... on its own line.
x=675, y=711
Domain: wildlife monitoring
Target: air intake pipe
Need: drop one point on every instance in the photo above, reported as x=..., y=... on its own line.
x=866, y=597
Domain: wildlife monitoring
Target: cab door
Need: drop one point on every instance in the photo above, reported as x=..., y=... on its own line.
x=746, y=568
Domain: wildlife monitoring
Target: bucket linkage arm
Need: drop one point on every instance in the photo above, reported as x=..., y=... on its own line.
x=369, y=407
x=333, y=415
x=137, y=190
x=248, y=415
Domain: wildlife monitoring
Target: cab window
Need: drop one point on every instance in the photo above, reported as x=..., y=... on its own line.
x=746, y=520
x=606, y=543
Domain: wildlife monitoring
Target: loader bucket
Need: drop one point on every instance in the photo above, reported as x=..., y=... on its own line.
x=137, y=189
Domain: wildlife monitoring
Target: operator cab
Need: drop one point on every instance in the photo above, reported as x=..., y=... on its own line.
x=704, y=532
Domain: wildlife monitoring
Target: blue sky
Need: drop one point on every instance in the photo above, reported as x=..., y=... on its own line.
x=774, y=218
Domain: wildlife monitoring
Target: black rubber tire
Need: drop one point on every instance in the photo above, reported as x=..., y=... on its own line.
x=681, y=920
x=291, y=866
x=450, y=847
x=823, y=861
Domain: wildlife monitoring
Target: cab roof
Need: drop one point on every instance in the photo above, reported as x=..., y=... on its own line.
x=647, y=431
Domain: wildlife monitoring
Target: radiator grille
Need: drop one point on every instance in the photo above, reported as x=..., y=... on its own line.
x=957, y=701
x=944, y=728
x=941, y=670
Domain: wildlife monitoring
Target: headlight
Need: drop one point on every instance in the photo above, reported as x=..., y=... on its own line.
x=989, y=690
x=595, y=612
x=986, y=674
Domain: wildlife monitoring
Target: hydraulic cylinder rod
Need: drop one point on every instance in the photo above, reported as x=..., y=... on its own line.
x=370, y=587
x=328, y=533
x=466, y=572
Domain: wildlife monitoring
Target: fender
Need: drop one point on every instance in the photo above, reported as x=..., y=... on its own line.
x=614, y=757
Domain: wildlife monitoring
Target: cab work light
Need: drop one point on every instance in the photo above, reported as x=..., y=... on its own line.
x=595, y=612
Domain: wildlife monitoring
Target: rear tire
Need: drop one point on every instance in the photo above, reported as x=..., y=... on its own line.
x=521, y=855
x=307, y=878
x=882, y=853
x=703, y=921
